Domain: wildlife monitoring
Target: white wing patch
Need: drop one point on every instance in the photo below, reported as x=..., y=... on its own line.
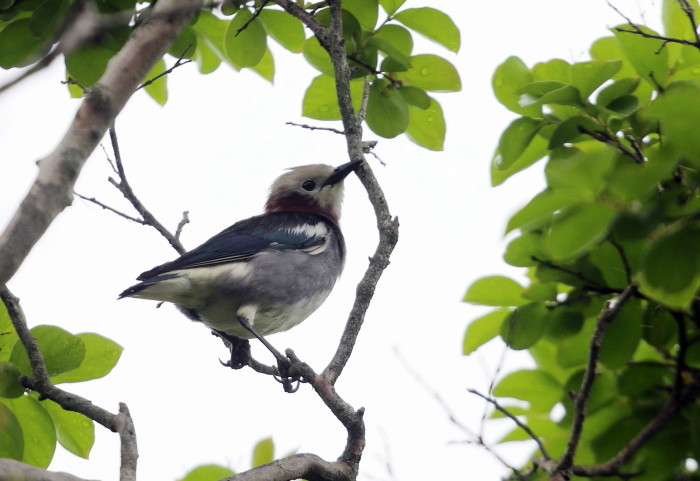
x=313, y=230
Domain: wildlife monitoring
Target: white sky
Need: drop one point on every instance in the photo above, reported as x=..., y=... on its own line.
x=213, y=150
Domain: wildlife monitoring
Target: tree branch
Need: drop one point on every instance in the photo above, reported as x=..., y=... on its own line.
x=58, y=172
x=297, y=466
x=610, y=311
x=11, y=470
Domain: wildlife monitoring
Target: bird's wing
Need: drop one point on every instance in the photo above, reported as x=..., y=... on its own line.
x=245, y=239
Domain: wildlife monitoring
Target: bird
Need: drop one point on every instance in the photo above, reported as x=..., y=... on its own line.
x=265, y=274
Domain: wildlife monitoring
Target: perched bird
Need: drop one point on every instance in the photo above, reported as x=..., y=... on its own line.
x=265, y=274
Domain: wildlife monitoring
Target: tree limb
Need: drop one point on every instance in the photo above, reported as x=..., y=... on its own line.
x=58, y=172
x=11, y=470
x=297, y=466
x=610, y=311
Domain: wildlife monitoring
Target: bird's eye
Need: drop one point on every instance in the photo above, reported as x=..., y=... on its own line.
x=308, y=185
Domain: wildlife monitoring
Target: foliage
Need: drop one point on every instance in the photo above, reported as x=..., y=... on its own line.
x=618, y=138
x=380, y=53
x=31, y=426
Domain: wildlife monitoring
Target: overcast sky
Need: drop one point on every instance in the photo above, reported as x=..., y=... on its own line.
x=214, y=149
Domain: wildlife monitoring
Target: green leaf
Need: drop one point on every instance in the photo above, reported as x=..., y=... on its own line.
x=395, y=61
x=609, y=262
x=283, y=28
x=675, y=20
x=213, y=30
x=678, y=111
x=432, y=24
x=37, y=427
x=525, y=326
x=75, y=431
x=387, y=111
x=521, y=385
x=515, y=139
x=365, y=11
x=548, y=92
x=432, y=73
x=396, y=36
x=415, y=97
x=47, y=18
x=622, y=336
x=263, y=452
x=521, y=250
x=536, y=150
x=495, y=291
x=8, y=336
x=266, y=67
x=588, y=76
x=577, y=229
x=608, y=48
x=391, y=6
x=573, y=348
x=86, y=65
x=555, y=69
x=101, y=355
x=62, y=351
x=615, y=90
x=321, y=100
x=572, y=130
x=671, y=268
x=9, y=384
x=658, y=326
x=18, y=44
x=245, y=48
x=158, y=89
x=208, y=472
x=317, y=56
x=584, y=170
x=542, y=206
x=482, y=329
x=11, y=436
x=426, y=127
x=647, y=55
x=508, y=79
x=206, y=57
x=184, y=45
x=564, y=323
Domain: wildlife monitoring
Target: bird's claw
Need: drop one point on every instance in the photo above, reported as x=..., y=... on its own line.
x=289, y=382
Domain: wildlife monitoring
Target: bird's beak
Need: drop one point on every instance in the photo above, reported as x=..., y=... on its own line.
x=341, y=172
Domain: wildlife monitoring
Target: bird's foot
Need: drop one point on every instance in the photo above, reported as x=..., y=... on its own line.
x=290, y=383
x=239, y=349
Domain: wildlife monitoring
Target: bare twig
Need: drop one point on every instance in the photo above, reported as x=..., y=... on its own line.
x=111, y=209
x=181, y=225
x=514, y=418
x=610, y=311
x=605, y=138
x=179, y=63
x=311, y=127
x=125, y=188
x=255, y=15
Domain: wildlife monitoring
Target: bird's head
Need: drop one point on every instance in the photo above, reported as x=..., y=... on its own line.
x=314, y=188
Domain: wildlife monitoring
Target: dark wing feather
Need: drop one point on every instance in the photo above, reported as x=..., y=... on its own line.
x=244, y=239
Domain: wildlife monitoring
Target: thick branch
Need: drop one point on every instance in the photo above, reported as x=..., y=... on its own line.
x=58, y=172
x=11, y=470
x=610, y=311
x=298, y=466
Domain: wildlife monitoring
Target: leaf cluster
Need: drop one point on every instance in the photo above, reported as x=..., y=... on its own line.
x=617, y=136
x=31, y=426
x=381, y=54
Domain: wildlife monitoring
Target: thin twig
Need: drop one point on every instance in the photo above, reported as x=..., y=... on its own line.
x=111, y=209
x=253, y=17
x=125, y=188
x=179, y=63
x=604, y=137
x=311, y=127
x=180, y=225
x=514, y=418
